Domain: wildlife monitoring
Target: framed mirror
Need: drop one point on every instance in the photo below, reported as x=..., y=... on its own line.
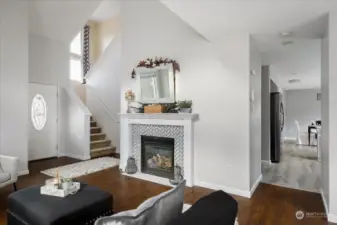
x=156, y=85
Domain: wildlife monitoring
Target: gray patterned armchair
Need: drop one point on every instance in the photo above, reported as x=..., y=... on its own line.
x=8, y=170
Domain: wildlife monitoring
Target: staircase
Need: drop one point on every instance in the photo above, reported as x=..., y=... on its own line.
x=99, y=145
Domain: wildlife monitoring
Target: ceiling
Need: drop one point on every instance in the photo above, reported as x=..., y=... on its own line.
x=215, y=18
x=58, y=19
x=300, y=60
x=265, y=20
x=106, y=10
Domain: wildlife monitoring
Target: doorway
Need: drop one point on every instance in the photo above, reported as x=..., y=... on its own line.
x=290, y=108
x=42, y=111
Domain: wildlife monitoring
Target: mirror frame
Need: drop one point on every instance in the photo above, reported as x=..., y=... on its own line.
x=172, y=85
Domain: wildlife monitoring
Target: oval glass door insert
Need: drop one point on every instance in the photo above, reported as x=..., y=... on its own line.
x=39, y=112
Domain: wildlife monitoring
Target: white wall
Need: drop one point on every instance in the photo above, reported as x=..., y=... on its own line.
x=75, y=127
x=49, y=64
x=103, y=94
x=101, y=34
x=48, y=60
x=14, y=80
x=265, y=113
x=303, y=106
x=274, y=87
x=329, y=117
x=332, y=115
x=325, y=102
x=215, y=77
x=255, y=113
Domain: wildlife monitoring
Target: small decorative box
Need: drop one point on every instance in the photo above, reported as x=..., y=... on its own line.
x=154, y=109
x=61, y=191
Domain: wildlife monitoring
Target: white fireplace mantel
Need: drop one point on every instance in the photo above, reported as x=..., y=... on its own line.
x=185, y=120
x=162, y=116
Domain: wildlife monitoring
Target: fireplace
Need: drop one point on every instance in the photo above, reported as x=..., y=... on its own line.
x=157, y=156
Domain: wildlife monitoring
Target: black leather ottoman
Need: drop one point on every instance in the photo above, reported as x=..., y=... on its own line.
x=28, y=206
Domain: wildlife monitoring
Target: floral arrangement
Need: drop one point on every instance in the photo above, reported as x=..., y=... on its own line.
x=129, y=95
x=154, y=62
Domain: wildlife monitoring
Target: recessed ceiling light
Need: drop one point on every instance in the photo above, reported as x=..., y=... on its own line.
x=292, y=81
x=285, y=34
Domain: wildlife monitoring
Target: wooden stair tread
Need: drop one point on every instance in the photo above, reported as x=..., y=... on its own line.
x=99, y=145
x=112, y=148
x=97, y=134
x=99, y=141
x=101, y=152
x=95, y=128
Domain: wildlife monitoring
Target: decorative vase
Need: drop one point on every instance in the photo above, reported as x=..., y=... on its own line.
x=129, y=107
x=131, y=166
x=185, y=110
x=129, y=97
x=178, y=178
x=66, y=185
x=134, y=110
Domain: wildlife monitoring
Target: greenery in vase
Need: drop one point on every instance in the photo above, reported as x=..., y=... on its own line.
x=185, y=104
x=67, y=180
x=171, y=107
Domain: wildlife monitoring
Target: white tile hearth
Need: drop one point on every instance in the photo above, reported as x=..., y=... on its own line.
x=151, y=178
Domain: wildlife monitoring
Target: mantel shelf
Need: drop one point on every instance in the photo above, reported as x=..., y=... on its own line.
x=162, y=116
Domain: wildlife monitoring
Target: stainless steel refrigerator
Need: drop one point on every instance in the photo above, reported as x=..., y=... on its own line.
x=276, y=126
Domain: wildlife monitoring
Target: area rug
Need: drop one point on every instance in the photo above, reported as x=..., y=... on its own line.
x=82, y=168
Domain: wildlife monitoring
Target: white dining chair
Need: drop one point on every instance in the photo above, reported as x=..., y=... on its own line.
x=302, y=136
x=298, y=138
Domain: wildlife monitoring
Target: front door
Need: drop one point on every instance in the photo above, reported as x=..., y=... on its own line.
x=42, y=121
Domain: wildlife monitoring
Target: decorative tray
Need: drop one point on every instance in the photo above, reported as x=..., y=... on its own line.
x=60, y=190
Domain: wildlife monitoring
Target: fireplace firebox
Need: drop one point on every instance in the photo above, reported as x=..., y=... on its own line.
x=157, y=156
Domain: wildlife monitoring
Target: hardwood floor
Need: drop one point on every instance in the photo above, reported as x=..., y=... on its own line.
x=270, y=205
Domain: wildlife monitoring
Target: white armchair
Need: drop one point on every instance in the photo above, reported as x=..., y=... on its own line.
x=8, y=170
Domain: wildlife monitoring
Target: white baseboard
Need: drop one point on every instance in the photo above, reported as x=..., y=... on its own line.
x=266, y=162
x=256, y=184
x=289, y=140
x=229, y=190
x=332, y=218
x=324, y=202
x=23, y=172
x=61, y=154
x=76, y=156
